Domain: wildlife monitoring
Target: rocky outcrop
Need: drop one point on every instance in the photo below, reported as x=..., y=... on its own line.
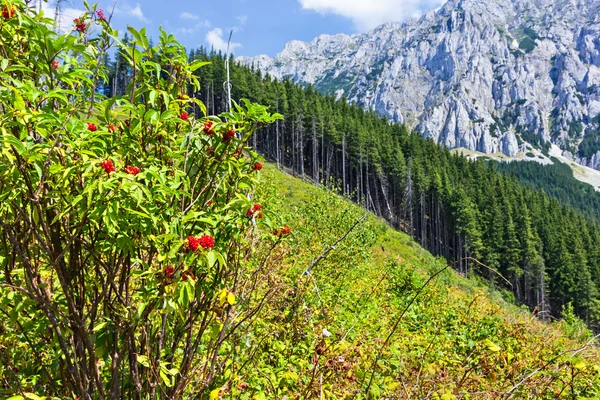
x=487, y=75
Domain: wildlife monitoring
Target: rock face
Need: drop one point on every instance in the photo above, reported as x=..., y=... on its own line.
x=486, y=75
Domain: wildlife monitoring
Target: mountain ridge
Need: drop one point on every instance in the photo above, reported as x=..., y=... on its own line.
x=486, y=76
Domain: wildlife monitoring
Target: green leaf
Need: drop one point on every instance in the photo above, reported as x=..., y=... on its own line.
x=491, y=345
x=143, y=360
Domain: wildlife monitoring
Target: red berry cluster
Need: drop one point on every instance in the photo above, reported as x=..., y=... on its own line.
x=255, y=211
x=208, y=128
x=192, y=244
x=184, y=116
x=227, y=136
x=7, y=14
x=282, y=231
x=92, y=127
x=206, y=242
x=169, y=271
x=55, y=64
x=257, y=167
x=187, y=274
x=100, y=15
x=107, y=166
x=79, y=25
x=131, y=170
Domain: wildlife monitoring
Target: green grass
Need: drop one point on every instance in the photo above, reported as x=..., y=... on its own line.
x=459, y=339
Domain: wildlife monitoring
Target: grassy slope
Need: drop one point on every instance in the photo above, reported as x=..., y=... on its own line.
x=459, y=338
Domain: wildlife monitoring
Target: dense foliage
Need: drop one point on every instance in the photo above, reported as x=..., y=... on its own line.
x=458, y=340
x=131, y=251
x=459, y=209
x=556, y=180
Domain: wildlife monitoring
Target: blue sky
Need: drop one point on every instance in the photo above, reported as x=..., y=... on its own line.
x=260, y=26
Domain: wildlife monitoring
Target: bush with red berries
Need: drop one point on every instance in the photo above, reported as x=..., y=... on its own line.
x=132, y=262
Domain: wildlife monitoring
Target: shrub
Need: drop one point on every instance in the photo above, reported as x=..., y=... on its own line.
x=127, y=261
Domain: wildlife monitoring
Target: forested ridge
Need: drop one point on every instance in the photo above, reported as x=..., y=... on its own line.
x=477, y=218
x=558, y=181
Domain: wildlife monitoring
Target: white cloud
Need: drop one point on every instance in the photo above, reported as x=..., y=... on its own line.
x=135, y=12
x=215, y=40
x=242, y=19
x=369, y=14
x=189, y=16
x=204, y=24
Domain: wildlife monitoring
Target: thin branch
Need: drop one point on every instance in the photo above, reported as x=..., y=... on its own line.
x=397, y=323
x=510, y=393
x=332, y=247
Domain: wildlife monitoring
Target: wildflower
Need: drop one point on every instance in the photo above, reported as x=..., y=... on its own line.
x=257, y=167
x=107, y=166
x=227, y=136
x=7, y=14
x=131, y=170
x=208, y=128
x=91, y=127
x=169, y=271
x=55, y=64
x=184, y=116
x=206, y=242
x=192, y=243
x=100, y=15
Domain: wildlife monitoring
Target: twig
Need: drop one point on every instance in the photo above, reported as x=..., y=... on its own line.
x=397, y=323
x=332, y=247
x=574, y=351
x=485, y=266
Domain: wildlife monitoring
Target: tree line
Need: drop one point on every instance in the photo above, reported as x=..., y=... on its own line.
x=479, y=219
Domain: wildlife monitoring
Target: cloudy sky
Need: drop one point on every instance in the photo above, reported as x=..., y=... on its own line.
x=259, y=26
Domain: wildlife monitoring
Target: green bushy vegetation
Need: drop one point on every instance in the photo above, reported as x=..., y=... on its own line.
x=140, y=258
x=544, y=243
x=459, y=339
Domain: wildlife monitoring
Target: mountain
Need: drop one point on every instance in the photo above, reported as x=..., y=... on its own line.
x=486, y=75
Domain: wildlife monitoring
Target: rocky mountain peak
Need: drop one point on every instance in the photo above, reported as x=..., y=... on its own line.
x=487, y=75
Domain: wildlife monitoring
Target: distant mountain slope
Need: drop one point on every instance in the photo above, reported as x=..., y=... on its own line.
x=486, y=75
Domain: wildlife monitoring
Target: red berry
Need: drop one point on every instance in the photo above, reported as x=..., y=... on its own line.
x=112, y=128
x=91, y=127
x=80, y=26
x=107, y=166
x=184, y=116
x=131, y=170
x=100, y=15
x=208, y=128
x=192, y=244
x=55, y=64
x=227, y=136
x=206, y=242
x=169, y=271
x=257, y=167
x=7, y=14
